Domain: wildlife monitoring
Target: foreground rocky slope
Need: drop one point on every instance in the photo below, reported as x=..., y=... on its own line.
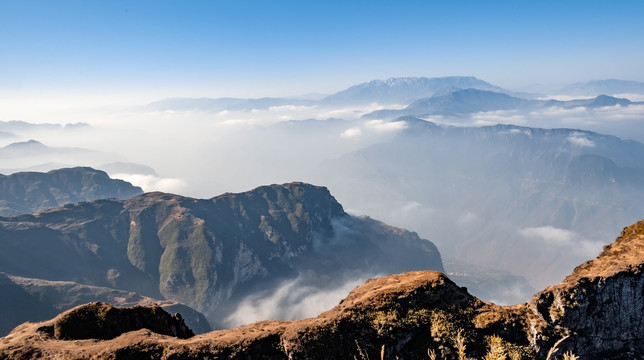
x=208, y=253
x=28, y=192
x=597, y=313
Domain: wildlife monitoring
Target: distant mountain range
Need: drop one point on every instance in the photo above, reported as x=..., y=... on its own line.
x=390, y=91
x=221, y=104
x=28, y=192
x=208, y=254
x=468, y=101
x=405, y=91
x=33, y=154
x=17, y=126
x=529, y=200
x=602, y=87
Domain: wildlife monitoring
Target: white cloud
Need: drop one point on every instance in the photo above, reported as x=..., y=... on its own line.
x=351, y=133
x=292, y=108
x=383, y=126
x=565, y=97
x=549, y=234
x=153, y=183
x=580, y=141
x=565, y=239
x=498, y=117
x=631, y=97
x=467, y=218
x=292, y=300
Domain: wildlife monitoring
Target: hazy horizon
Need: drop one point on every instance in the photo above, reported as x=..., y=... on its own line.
x=103, y=63
x=66, y=56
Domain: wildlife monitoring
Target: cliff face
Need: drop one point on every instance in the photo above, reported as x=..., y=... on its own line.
x=208, y=253
x=598, y=310
x=596, y=313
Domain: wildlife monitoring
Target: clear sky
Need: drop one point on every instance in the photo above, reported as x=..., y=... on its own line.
x=161, y=48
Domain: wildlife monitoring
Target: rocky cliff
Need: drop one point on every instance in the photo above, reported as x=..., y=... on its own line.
x=595, y=313
x=208, y=253
x=598, y=310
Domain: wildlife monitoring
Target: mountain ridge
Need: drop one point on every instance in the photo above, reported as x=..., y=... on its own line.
x=208, y=253
x=468, y=101
x=27, y=192
x=591, y=314
x=556, y=187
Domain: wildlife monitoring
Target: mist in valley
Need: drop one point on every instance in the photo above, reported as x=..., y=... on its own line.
x=496, y=201
x=516, y=180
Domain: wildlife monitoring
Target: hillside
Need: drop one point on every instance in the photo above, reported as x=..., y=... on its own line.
x=28, y=192
x=595, y=313
x=464, y=102
x=209, y=253
x=528, y=200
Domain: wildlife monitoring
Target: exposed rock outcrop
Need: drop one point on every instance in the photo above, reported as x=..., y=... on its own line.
x=597, y=311
x=209, y=253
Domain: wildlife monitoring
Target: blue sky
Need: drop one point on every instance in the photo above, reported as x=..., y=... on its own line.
x=278, y=48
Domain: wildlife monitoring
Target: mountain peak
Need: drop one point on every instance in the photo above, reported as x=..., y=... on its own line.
x=26, y=144
x=404, y=90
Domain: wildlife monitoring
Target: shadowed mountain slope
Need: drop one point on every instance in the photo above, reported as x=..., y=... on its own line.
x=27, y=299
x=208, y=253
x=532, y=201
x=28, y=192
x=595, y=313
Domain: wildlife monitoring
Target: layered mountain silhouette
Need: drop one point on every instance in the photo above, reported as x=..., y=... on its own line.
x=37, y=156
x=390, y=91
x=17, y=126
x=404, y=90
x=598, y=87
x=595, y=313
x=529, y=200
x=422, y=95
x=468, y=101
x=28, y=192
x=208, y=254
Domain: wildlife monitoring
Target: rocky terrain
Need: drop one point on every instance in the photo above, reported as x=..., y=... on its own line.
x=209, y=253
x=595, y=313
x=28, y=192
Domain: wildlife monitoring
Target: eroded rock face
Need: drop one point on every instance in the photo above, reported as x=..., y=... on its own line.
x=208, y=253
x=598, y=310
x=596, y=313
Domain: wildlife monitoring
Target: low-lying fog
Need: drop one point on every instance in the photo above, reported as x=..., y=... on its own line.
x=202, y=154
